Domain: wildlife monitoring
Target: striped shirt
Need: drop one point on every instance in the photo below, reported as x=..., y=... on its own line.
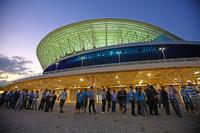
x=192, y=92
x=185, y=95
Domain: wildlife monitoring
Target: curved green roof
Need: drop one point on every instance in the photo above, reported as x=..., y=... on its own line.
x=96, y=33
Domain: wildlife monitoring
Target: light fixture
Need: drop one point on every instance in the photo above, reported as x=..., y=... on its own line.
x=149, y=74
x=119, y=52
x=198, y=78
x=140, y=82
x=116, y=77
x=59, y=80
x=161, y=48
x=81, y=79
x=197, y=72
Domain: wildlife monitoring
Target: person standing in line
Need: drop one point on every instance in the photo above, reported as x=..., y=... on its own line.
x=54, y=97
x=140, y=97
x=48, y=100
x=11, y=99
x=114, y=101
x=159, y=98
x=3, y=98
x=62, y=97
x=124, y=99
x=26, y=99
x=91, y=100
x=30, y=101
x=131, y=97
x=43, y=99
x=85, y=100
x=138, y=104
x=165, y=99
x=79, y=102
x=152, y=97
x=35, y=97
x=172, y=92
x=20, y=100
x=187, y=100
x=120, y=99
x=103, y=95
x=108, y=99
x=195, y=98
x=15, y=98
x=7, y=99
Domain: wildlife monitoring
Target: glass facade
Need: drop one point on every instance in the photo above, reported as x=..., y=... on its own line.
x=128, y=54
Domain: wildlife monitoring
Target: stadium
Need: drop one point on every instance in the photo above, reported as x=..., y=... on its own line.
x=112, y=53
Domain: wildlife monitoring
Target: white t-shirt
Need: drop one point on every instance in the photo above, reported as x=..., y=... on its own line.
x=63, y=95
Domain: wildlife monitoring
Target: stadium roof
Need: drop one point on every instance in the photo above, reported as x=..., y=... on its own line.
x=96, y=33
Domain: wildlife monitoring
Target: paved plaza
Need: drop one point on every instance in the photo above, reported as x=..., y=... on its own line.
x=28, y=121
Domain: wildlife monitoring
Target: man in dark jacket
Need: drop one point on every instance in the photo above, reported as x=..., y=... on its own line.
x=165, y=99
x=120, y=99
x=124, y=99
x=152, y=97
x=108, y=99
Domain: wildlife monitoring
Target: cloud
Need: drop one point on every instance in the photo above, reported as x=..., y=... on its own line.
x=15, y=64
x=3, y=83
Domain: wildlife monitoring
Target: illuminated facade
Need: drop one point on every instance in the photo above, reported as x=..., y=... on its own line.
x=112, y=53
x=97, y=33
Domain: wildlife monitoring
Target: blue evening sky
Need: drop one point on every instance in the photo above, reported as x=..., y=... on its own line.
x=23, y=23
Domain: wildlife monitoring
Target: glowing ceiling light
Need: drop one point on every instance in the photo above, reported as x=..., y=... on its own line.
x=197, y=72
x=140, y=82
x=116, y=77
x=81, y=79
x=149, y=74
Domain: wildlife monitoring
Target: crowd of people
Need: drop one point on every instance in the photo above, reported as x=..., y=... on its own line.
x=146, y=100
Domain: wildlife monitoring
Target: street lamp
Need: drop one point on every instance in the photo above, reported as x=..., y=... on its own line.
x=82, y=58
x=57, y=63
x=162, y=49
x=118, y=53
